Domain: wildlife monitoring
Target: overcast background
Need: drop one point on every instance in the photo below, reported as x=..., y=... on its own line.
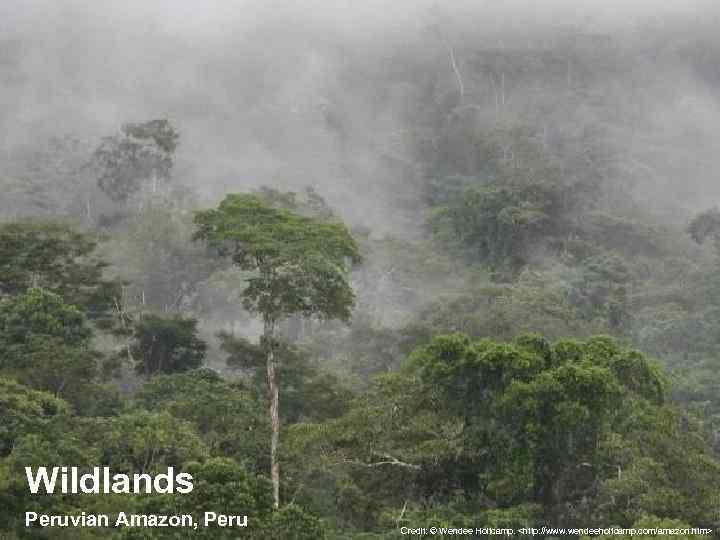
x=322, y=92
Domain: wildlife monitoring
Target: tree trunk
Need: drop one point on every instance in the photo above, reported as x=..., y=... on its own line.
x=274, y=409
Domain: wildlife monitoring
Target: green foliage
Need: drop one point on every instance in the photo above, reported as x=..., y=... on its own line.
x=224, y=487
x=295, y=264
x=553, y=413
x=657, y=462
x=630, y=234
x=373, y=349
x=649, y=523
x=57, y=258
x=493, y=224
x=502, y=425
x=46, y=343
x=229, y=419
x=142, y=441
x=541, y=219
x=309, y=394
x=166, y=345
x=49, y=447
x=41, y=312
x=515, y=202
x=24, y=411
x=308, y=203
x=534, y=302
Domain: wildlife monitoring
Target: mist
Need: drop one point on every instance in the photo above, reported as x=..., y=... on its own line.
x=323, y=94
x=358, y=266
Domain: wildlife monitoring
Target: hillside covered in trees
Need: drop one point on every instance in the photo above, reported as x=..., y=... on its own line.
x=429, y=265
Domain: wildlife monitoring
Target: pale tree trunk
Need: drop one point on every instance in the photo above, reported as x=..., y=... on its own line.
x=456, y=71
x=274, y=408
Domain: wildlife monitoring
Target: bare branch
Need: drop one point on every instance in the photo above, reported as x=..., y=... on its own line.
x=453, y=63
x=390, y=460
x=402, y=514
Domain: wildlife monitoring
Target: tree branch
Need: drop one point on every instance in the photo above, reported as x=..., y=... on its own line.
x=390, y=460
x=453, y=63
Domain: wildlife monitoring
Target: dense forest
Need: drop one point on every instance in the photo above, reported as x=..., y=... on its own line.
x=405, y=266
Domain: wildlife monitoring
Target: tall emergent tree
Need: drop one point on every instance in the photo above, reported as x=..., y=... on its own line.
x=297, y=265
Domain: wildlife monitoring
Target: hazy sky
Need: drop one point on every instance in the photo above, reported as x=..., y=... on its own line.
x=249, y=83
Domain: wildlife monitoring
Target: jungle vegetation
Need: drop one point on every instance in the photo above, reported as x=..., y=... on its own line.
x=523, y=328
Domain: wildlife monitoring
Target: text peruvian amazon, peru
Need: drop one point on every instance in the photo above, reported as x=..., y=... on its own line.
x=133, y=520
